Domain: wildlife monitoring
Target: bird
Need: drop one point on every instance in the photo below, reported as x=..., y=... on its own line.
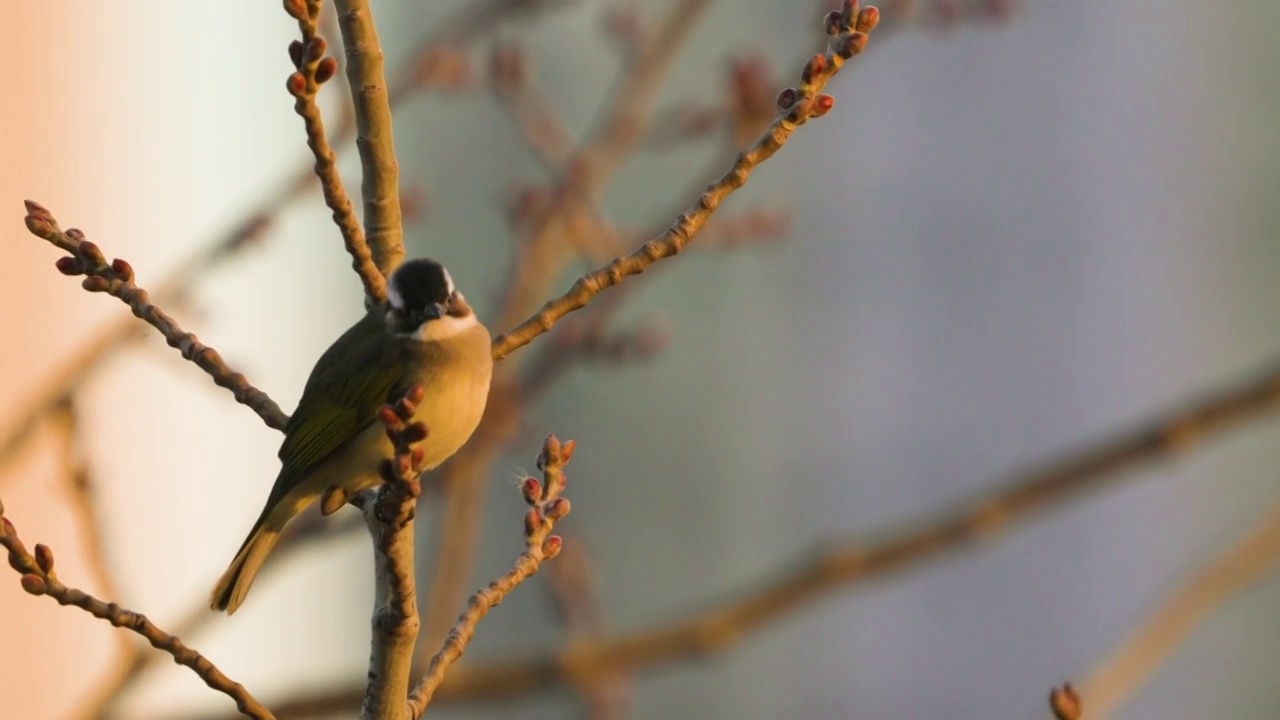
x=426, y=335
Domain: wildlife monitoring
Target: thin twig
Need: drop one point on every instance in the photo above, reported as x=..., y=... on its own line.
x=314, y=69
x=546, y=506
x=1114, y=681
x=798, y=106
x=38, y=578
x=116, y=279
x=380, y=185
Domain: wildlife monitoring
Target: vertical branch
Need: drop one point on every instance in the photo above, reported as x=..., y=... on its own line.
x=389, y=516
x=381, y=172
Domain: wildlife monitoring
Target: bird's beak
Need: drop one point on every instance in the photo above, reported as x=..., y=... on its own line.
x=435, y=311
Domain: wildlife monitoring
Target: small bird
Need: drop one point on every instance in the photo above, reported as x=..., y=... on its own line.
x=425, y=335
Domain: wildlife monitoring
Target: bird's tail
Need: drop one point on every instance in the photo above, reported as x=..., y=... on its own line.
x=234, y=584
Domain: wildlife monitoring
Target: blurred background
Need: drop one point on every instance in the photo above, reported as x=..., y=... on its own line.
x=1010, y=239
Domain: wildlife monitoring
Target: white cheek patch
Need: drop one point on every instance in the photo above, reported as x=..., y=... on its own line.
x=448, y=282
x=394, y=298
x=444, y=328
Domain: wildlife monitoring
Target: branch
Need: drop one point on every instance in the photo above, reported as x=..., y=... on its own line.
x=389, y=517
x=545, y=508
x=38, y=578
x=375, y=141
x=1117, y=678
x=314, y=69
x=848, y=36
x=528, y=106
x=116, y=279
x=1041, y=488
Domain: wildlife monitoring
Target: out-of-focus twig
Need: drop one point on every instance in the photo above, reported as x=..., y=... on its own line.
x=39, y=578
x=530, y=109
x=1121, y=675
x=116, y=279
x=380, y=186
x=546, y=506
x=80, y=479
x=313, y=69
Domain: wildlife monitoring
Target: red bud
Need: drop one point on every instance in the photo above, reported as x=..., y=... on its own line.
x=868, y=19
x=415, y=432
x=786, y=98
x=296, y=85
x=16, y=563
x=70, y=266
x=387, y=416
x=296, y=9
x=122, y=269
x=558, y=508
x=35, y=209
x=295, y=53
x=531, y=490
x=822, y=105
x=325, y=71
x=532, y=522
x=566, y=451
x=44, y=557
x=814, y=68
x=95, y=283
x=417, y=454
x=833, y=22
x=34, y=584
x=315, y=49
x=77, y=235
x=551, y=547
x=89, y=251
x=415, y=394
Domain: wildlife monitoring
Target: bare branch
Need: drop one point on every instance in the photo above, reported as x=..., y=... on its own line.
x=389, y=516
x=313, y=69
x=380, y=187
x=798, y=106
x=1126, y=669
x=546, y=506
x=116, y=279
x=38, y=578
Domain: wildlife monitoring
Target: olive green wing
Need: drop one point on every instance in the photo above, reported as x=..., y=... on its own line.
x=341, y=399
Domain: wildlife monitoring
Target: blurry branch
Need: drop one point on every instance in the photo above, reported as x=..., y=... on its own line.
x=380, y=186
x=38, y=578
x=116, y=279
x=1042, y=488
x=848, y=36
x=546, y=506
x=389, y=515
x=1122, y=674
x=530, y=109
x=571, y=581
x=419, y=72
x=1065, y=703
x=80, y=480
x=313, y=70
